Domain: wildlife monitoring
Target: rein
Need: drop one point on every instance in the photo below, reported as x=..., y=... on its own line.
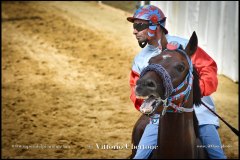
x=231, y=127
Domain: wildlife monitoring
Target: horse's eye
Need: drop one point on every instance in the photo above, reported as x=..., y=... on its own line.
x=180, y=67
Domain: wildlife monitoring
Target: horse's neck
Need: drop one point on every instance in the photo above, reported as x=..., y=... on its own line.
x=176, y=137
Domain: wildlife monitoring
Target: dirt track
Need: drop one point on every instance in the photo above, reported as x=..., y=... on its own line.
x=65, y=72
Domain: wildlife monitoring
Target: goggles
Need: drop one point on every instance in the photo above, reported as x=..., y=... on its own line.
x=140, y=26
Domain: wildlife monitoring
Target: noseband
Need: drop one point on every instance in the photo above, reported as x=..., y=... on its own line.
x=168, y=86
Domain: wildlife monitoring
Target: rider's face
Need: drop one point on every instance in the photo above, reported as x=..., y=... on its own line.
x=140, y=30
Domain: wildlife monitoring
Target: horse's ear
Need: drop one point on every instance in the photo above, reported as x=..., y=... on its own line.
x=192, y=45
x=163, y=41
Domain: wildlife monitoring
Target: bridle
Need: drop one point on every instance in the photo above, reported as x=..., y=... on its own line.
x=167, y=100
x=167, y=84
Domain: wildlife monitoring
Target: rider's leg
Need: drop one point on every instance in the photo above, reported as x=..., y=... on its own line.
x=148, y=140
x=210, y=139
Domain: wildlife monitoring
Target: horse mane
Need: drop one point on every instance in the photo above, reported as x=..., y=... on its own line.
x=196, y=88
x=196, y=99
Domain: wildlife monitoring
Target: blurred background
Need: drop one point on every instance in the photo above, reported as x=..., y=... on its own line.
x=66, y=66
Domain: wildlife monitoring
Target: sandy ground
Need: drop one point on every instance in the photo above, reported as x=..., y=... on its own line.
x=65, y=91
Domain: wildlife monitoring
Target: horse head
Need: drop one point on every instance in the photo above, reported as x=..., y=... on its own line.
x=168, y=79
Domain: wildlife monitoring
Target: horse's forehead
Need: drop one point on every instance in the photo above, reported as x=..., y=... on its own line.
x=167, y=55
x=170, y=53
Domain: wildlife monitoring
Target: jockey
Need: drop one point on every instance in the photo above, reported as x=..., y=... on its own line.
x=149, y=29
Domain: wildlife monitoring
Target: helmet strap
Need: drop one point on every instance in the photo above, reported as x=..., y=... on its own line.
x=159, y=44
x=142, y=44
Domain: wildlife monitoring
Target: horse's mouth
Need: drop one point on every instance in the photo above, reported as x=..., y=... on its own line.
x=149, y=104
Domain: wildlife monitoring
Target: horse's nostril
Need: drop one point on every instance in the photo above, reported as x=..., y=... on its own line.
x=146, y=83
x=151, y=84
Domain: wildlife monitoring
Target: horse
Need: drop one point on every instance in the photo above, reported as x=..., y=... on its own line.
x=170, y=87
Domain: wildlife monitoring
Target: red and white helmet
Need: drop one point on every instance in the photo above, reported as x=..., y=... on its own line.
x=153, y=15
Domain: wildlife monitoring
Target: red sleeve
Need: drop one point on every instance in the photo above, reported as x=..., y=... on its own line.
x=134, y=76
x=207, y=70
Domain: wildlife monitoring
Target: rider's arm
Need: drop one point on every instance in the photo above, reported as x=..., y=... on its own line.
x=207, y=69
x=134, y=76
